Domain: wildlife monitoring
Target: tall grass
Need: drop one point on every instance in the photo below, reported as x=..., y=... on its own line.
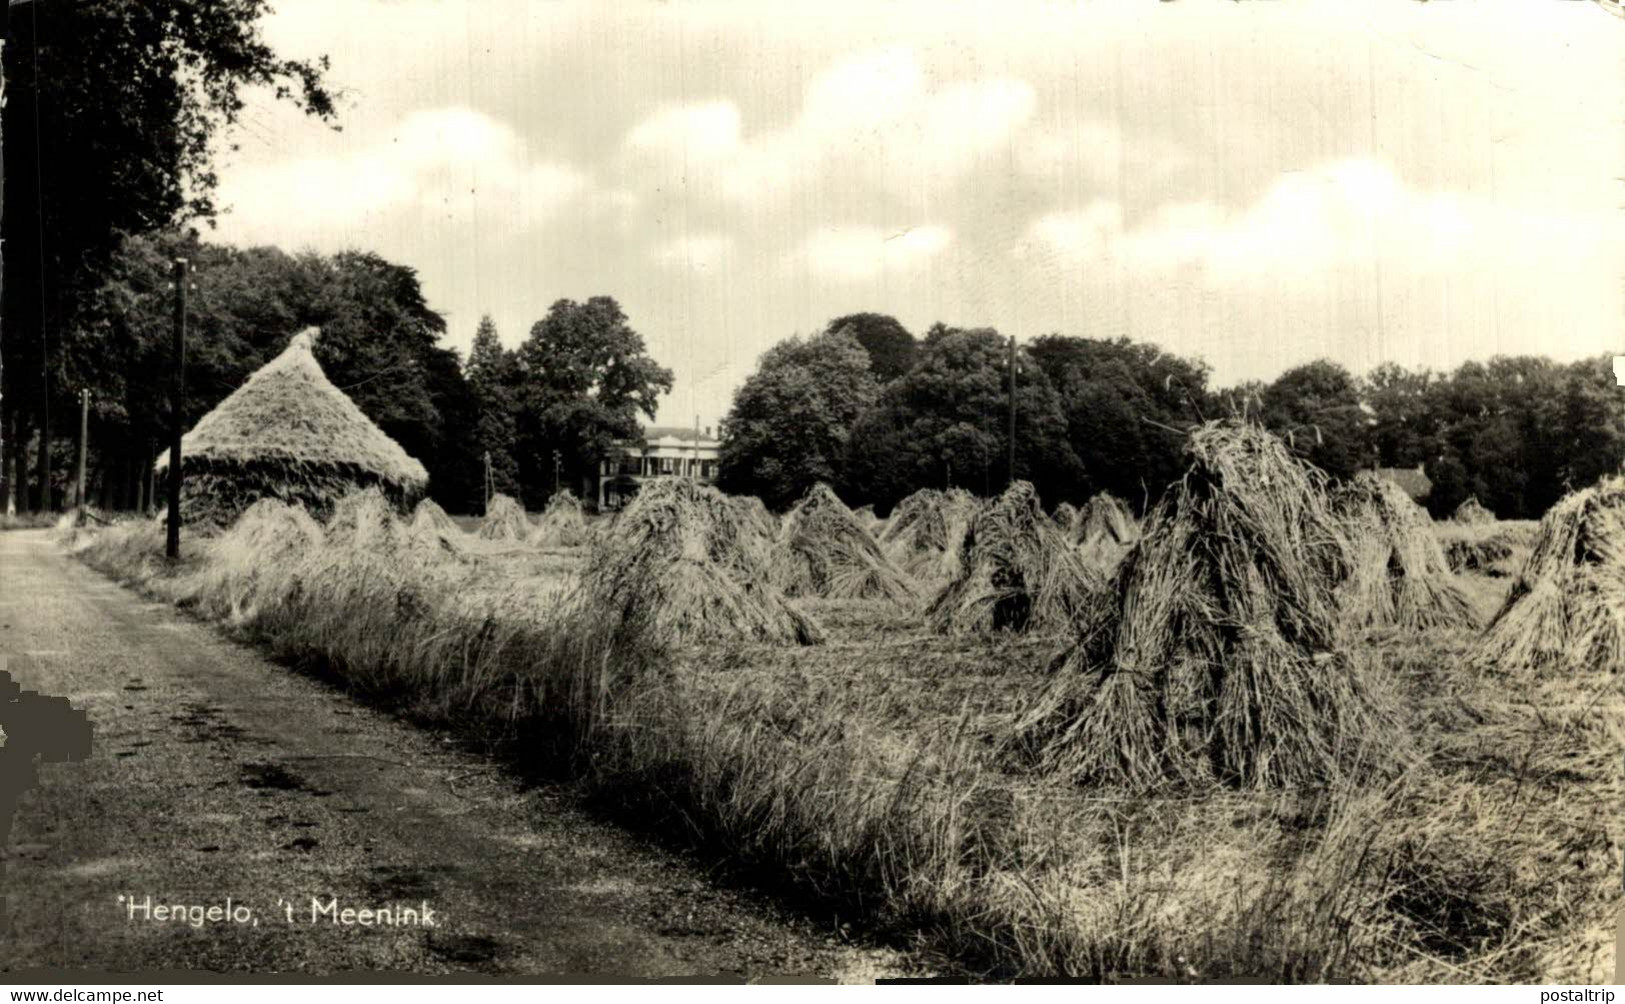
x=831, y=772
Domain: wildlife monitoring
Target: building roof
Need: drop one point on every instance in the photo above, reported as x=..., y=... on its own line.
x=289, y=412
x=1413, y=479
x=687, y=434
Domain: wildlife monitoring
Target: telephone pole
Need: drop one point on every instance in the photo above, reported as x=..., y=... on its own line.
x=84, y=430
x=1011, y=468
x=177, y=416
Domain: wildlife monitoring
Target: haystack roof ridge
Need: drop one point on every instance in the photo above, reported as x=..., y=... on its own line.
x=289, y=412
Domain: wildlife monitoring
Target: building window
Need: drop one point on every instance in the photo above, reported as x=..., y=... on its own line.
x=665, y=465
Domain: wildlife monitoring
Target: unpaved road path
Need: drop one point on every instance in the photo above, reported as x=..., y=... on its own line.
x=215, y=773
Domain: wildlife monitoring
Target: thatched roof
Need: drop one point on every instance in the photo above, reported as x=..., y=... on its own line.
x=288, y=412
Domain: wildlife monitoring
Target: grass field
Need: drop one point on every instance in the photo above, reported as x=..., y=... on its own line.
x=876, y=777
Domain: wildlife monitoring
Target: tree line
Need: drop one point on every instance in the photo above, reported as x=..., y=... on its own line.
x=869, y=408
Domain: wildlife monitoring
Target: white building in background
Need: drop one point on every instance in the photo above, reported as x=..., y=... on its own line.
x=668, y=452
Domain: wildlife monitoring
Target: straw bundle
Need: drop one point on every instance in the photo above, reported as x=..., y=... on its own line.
x=1398, y=575
x=1566, y=609
x=1104, y=530
x=431, y=522
x=289, y=434
x=1495, y=549
x=865, y=515
x=822, y=550
x=683, y=563
x=1066, y=518
x=1017, y=572
x=252, y=561
x=1218, y=654
x=504, y=521
x=925, y=530
x=562, y=524
x=756, y=515
x=365, y=521
x=1472, y=511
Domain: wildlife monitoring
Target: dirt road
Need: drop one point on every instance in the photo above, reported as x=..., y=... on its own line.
x=216, y=774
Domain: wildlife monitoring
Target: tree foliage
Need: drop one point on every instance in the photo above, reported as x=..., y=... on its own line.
x=583, y=377
x=788, y=427
x=492, y=373
x=945, y=423
x=889, y=345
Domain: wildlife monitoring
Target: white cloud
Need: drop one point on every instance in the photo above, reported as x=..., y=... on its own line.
x=874, y=119
x=863, y=252
x=447, y=164
x=696, y=252
x=1352, y=214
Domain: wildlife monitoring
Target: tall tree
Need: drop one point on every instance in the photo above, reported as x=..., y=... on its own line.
x=1316, y=407
x=491, y=374
x=788, y=427
x=113, y=107
x=1127, y=406
x=945, y=423
x=584, y=377
x=888, y=344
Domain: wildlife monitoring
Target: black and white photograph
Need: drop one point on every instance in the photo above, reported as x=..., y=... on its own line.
x=546, y=491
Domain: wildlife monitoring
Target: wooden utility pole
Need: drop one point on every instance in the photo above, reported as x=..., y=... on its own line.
x=1011, y=468
x=84, y=431
x=177, y=416
x=557, y=460
x=487, y=485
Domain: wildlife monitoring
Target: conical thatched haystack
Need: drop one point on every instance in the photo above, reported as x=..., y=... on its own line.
x=1104, y=530
x=1216, y=652
x=504, y=521
x=1398, y=576
x=1472, y=511
x=822, y=550
x=683, y=563
x=1017, y=572
x=562, y=524
x=925, y=530
x=1567, y=606
x=288, y=434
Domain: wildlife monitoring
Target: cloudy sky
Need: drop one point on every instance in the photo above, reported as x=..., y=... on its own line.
x=1257, y=184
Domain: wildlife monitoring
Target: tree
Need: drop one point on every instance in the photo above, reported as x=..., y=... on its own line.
x=584, y=377
x=945, y=423
x=491, y=374
x=114, y=107
x=1127, y=407
x=788, y=427
x=888, y=344
x=1316, y=408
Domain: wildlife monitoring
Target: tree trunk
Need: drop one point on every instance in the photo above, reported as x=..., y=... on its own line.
x=44, y=465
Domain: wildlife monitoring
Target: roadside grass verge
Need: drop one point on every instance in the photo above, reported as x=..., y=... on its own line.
x=872, y=777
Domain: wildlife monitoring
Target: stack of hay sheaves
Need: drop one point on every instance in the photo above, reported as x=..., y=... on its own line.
x=1216, y=652
x=288, y=434
x=1398, y=575
x=823, y=550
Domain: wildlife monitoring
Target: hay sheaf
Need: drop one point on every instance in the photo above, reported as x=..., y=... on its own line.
x=504, y=521
x=365, y=521
x=1217, y=652
x=288, y=433
x=1472, y=511
x=1566, y=610
x=683, y=563
x=1496, y=549
x=755, y=513
x=253, y=561
x=1066, y=518
x=823, y=550
x=1104, y=530
x=562, y=524
x=925, y=530
x=1017, y=572
x=1398, y=575
x=429, y=521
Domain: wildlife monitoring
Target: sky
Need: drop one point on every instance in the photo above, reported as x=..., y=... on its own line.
x=1254, y=184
